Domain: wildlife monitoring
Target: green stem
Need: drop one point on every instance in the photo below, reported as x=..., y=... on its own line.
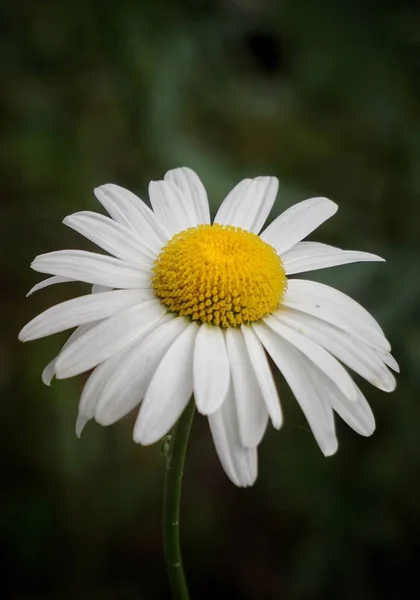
x=175, y=457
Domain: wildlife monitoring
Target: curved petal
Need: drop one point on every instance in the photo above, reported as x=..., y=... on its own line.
x=48, y=373
x=193, y=190
x=239, y=463
x=316, y=354
x=332, y=294
x=98, y=289
x=249, y=203
x=47, y=282
x=81, y=423
x=250, y=405
x=126, y=389
x=231, y=205
x=271, y=185
x=169, y=391
x=79, y=311
x=303, y=250
x=210, y=369
x=127, y=208
x=297, y=222
x=93, y=388
x=310, y=256
x=108, y=338
x=92, y=268
x=117, y=239
x=349, y=350
x=263, y=375
x=172, y=207
x=299, y=374
x=332, y=308
x=389, y=360
x=358, y=415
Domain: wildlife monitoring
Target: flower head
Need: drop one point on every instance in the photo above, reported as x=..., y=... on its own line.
x=181, y=306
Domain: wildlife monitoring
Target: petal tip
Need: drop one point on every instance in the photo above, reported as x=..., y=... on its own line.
x=389, y=387
x=80, y=424
x=97, y=190
x=103, y=189
x=396, y=367
x=141, y=437
x=277, y=423
x=333, y=206
x=369, y=432
x=330, y=447
x=47, y=377
x=376, y=257
x=23, y=335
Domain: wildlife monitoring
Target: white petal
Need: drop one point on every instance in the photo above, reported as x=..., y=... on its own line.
x=351, y=351
x=93, y=388
x=95, y=383
x=240, y=463
x=299, y=374
x=169, y=391
x=193, y=190
x=248, y=204
x=358, y=415
x=320, y=357
x=389, y=360
x=271, y=185
x=250, y=405
x=303, y=250
x=210, y=369
x=108, y=338
x=297, y=222
x=128, y=385
x=82, y=310
x=81, y=423
x=92, y=268
x=310, y=256
x=335, y=308
x=329, y=293
x=98, y=289
x=49, y=372
x=119, y=240
x=264, y=376
x=47, y=282
x=231, y=205
x=127, y=208
x=172, y=208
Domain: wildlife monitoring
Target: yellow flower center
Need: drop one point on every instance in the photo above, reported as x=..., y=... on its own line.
x=220, y=275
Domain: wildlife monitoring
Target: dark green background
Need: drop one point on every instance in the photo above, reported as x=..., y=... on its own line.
x=323, y=94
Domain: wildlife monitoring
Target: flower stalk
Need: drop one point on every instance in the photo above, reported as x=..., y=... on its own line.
x=174, y=451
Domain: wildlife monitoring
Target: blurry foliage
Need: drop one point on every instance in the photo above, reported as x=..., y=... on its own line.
x=323, y=94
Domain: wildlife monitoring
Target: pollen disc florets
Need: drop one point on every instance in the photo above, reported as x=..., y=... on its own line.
x=220, y=275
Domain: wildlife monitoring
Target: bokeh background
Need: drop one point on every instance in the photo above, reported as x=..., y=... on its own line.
x=323, y=94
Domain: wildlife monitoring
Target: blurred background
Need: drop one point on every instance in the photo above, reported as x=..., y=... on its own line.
x=323, y=94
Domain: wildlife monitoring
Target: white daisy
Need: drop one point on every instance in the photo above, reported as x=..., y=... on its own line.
x=183, y=307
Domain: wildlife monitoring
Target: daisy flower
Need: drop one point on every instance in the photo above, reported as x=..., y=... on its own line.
x=181, y=306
